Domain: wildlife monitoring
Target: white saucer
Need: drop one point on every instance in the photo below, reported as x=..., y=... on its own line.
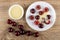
x=52, y=13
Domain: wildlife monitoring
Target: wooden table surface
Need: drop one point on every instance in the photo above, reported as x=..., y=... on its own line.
x=51, y=34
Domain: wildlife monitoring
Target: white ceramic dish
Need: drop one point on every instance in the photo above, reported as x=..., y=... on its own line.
x=52, y=13
x=21, y=9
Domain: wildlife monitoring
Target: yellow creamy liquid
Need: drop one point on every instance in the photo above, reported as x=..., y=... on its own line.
x=16, y=12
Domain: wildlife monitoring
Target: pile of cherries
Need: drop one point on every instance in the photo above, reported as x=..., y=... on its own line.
x=21, y=30
x=37, y=17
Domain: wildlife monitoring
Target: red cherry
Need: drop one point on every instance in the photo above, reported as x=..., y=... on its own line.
x=46, y=9
x=48, y=16
x=36, y=34
x=36, y=22
x=38, y=7
x=14, y=24
x=31, y=17
x=10, y=29
x=9, y=21
x=17, y=33
x=41, y=12
x=22, y=32
x=28, y=33
x=40, y=25
x=32, y=11
x=37, y=17
x=20, y=26
x=47, y=22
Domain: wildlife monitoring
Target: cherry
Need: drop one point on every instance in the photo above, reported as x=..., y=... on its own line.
x=22, y=32
x=20, y=26
x=31, y=17
x=40, y=25
x=32, y=11
x=48, y=16
x=17, y=33
x=9, y=21
x=38, y=7
x=28, y=33
x=36, y=34
x=14, y=24
x=10, y=29
x=36, y=22
x=47, y=22
x=41, y=12
x=46, y=9
x=37, y=17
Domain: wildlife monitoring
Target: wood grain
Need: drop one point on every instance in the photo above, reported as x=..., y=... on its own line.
x=51, y=34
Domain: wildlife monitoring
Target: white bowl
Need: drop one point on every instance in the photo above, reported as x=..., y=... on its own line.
x=52, y=13
x=18, y=6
